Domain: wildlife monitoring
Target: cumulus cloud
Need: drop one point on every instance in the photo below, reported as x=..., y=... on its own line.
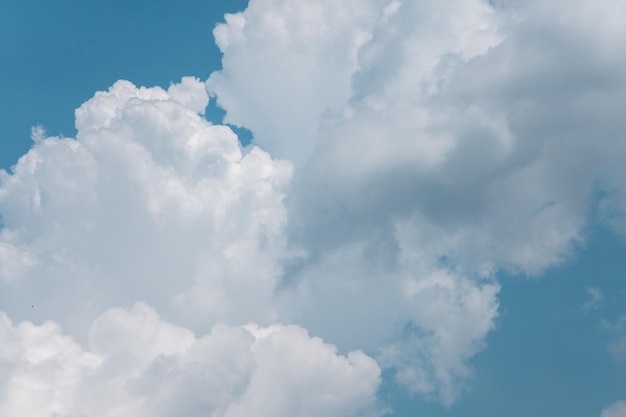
x=434, y=144
x=285, y=63
x=473, y=135
x=152, y=202
x=149, y=197
x=466, y=117
x=137, y=364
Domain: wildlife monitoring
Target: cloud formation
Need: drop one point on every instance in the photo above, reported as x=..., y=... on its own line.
x=430, y=146
x=471, y=137
x=285, y=63
x=151, y=202
x=149, y=197
x=139, y=365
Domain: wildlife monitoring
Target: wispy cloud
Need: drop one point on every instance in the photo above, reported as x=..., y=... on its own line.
x=595, y=298
x=617, y=409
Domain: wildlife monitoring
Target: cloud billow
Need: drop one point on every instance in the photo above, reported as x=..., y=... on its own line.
x=427, y=147
x=141, y=365
x=473, y=141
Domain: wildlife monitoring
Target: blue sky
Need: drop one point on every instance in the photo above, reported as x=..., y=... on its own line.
x=56, y=54
x=434, y=190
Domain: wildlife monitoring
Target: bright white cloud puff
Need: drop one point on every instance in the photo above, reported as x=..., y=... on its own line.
x=147, y=193
x=140, y=365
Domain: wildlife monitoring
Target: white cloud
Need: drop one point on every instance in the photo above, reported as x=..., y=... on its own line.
x=424, y=321
x=149, y=200
x=595, y=298
x=451, y=317
x=473, y=135
x=41, y=368
x=306, y=377
x=140, y=365
x=617, y=409
x=435, y=144
x=287, y=62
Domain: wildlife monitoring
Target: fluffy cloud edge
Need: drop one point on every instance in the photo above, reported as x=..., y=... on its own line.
x=138, y=364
